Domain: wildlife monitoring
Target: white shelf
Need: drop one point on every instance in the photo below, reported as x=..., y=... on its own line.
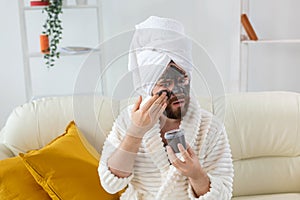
x=39, y=54
x=64, y=7
x=32, y=74
x=270, y=63
x=291, y=41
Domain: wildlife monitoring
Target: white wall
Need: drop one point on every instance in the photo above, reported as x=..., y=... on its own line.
x=274, y=66
x=12, y=88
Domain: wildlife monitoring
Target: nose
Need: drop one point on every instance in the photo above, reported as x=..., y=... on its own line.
x=171, y=87
x=175, y=89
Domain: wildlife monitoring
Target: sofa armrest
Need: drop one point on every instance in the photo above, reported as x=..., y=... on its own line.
x=5, y=152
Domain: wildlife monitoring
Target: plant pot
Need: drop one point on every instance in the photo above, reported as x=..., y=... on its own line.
x=44, y=43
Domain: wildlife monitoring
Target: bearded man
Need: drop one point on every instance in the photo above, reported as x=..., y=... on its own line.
x=136, y=154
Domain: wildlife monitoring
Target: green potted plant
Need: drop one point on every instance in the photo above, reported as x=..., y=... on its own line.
x=53, y=29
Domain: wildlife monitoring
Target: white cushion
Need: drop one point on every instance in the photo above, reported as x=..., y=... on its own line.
x=263, y=130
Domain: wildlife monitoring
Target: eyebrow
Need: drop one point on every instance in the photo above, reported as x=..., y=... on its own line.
x=169, y=79
x=164, y=79
x=177, y=68
x=180, y=76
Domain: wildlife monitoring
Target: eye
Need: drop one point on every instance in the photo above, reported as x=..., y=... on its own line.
x=164, y=84
x=183, y=81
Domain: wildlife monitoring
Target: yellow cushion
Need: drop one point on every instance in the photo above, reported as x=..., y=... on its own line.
x=17, y=183
x=67, y=168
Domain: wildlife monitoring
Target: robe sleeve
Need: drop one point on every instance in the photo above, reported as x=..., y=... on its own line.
x=110, y=182
x=217, y=162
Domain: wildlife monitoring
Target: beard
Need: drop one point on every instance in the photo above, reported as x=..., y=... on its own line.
x=178, y=112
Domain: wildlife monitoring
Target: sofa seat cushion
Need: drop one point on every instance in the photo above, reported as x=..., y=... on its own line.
x=270, y=197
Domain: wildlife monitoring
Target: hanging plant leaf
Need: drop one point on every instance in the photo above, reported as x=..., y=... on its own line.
x=53, y=28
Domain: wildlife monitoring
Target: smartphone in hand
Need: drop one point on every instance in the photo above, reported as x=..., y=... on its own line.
x=174, y=137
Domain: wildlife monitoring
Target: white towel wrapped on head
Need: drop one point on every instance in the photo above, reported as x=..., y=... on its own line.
x=155, y=43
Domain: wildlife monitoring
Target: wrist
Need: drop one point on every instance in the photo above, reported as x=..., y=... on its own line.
x=135, y=131
x=202, y=175
x=203, y=180
x=200, y=184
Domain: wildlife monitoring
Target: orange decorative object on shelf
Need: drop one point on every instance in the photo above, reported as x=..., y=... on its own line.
x=248, y=27
x=44, y=43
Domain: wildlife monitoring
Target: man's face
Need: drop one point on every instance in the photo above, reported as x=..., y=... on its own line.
x=176, y=81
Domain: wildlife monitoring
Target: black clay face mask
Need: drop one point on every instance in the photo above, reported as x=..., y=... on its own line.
x=176, y=84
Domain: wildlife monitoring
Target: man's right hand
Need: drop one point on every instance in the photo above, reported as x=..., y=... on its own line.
x=143, y=118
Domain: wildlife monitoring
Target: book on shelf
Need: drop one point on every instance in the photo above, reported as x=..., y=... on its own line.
x=248, y=27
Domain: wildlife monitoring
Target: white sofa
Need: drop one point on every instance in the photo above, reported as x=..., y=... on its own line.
x=263, y=129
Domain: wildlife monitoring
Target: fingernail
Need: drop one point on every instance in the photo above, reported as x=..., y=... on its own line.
x=180, y=147
x=168, y=148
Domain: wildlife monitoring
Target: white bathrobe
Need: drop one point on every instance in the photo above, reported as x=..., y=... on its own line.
x=153, y=177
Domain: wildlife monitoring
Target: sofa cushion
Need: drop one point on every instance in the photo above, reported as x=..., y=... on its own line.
x=264, y=134
x=5, y=152
x=67, y=167
x=17, y=183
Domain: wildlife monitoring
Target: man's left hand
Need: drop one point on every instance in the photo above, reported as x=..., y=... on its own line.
x=190, y=167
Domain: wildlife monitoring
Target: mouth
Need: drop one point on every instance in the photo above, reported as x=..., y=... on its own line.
x=178, y=103
x=177, y=107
